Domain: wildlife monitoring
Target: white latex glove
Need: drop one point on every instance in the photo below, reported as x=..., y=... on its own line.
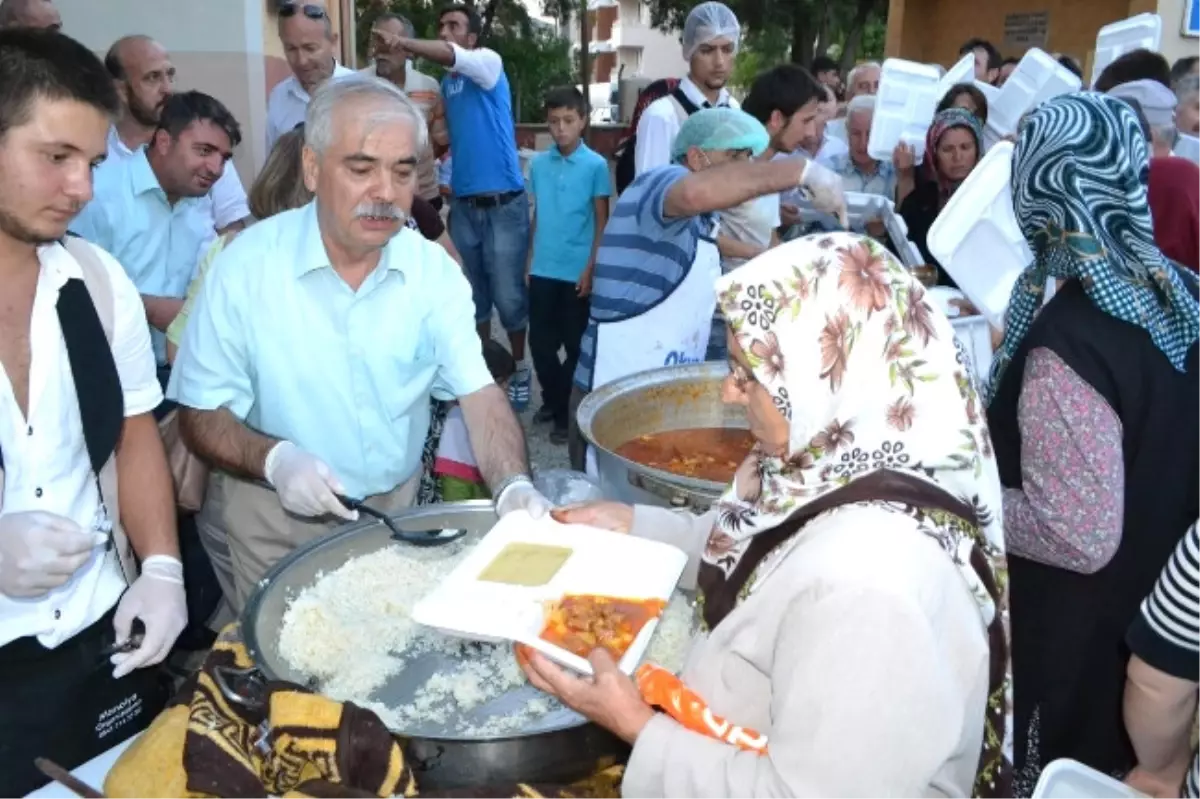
x=824, y=186
x=305, y=484
x=157, y=598
x=40, y=551
x=521, y=495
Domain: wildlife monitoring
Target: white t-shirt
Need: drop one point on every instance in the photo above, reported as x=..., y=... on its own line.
x=752, y=222
x=46, y=465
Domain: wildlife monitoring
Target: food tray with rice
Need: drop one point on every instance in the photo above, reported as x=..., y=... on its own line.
x=336, y=615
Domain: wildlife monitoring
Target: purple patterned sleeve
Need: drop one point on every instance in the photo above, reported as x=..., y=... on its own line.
x=1069, y=510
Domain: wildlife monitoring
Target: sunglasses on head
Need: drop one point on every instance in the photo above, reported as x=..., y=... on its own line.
x=287, y=8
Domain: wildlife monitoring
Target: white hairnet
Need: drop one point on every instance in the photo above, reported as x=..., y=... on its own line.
x=706, y=22
x=720, y=128
x=1157, y=101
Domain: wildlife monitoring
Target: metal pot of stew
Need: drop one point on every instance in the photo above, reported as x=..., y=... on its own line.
x=663, y=437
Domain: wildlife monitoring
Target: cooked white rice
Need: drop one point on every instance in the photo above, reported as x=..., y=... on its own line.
x=352, y=630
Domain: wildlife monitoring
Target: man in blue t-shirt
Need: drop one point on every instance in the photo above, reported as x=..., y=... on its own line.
x=489, y=213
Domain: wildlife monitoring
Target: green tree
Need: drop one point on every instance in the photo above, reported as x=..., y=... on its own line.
x=535, y=57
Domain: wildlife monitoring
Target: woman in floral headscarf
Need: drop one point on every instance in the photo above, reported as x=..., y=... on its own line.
x=1095, y=422
x=953, y=147
x=854, y=630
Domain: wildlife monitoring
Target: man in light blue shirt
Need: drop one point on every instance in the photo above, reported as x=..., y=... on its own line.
x=318, y=337
x=149, y=211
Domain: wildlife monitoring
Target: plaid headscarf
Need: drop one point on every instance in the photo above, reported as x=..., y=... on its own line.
x=1079, y=179
x=945, y=121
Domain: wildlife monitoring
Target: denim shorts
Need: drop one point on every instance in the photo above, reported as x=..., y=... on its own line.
x=494, y=242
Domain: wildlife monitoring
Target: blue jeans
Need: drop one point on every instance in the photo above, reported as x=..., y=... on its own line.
x=493, y=242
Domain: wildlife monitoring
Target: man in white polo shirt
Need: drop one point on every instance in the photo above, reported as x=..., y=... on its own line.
x=85, y=485
x=144, y=76
x=310, y=46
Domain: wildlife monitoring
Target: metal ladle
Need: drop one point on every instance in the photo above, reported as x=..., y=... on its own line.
x=425, y=538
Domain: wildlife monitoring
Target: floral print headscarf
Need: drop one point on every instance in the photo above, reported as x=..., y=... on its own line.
x=869, y=376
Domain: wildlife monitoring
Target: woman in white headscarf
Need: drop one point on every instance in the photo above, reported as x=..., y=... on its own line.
x=854, y=634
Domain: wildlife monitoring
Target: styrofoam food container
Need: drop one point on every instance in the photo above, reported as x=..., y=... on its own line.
x=1037, y=78
x=860, y=208
x=1188, y=147
x=1069, y=779
x=973, y=332
x=976, y=238
x=908, y=96
x=1118, y=38
x=601, y=562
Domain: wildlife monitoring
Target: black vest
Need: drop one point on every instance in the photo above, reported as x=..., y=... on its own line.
x=1068, y=629
x=94, y=372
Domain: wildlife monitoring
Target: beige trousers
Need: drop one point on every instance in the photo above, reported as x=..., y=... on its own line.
x=245, y=530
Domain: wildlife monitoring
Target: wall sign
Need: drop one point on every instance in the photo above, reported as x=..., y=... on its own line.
x=1022, y=31
x=1191, y=18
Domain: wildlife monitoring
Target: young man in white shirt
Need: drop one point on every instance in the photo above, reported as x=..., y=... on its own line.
x=144, y=76
x=310, y=47
x=86, y=487
x=710, y=43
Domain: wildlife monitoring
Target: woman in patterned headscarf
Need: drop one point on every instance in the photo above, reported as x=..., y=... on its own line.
x=846, y=580
x=1094, y=417
x=953, y=147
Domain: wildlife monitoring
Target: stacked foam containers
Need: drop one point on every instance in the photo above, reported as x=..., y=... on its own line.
x=1037, y=78
x=977, y=240
x=908, y=96
x=1118, y=38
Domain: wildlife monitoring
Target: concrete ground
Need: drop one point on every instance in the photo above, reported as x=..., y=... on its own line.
x=542, y=453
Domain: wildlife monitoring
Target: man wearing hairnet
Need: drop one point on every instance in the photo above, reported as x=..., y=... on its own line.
x=710, y=42
x=653, y=292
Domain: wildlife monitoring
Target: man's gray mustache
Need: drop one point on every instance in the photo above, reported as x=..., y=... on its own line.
x=379, y=211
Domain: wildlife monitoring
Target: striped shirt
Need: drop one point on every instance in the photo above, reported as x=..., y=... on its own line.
x=1166, y=634
x=643, y=257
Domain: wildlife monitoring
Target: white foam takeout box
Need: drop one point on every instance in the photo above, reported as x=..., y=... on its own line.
x=973, y=332
x=862, y=208
x=1188, y=147
x=908, y=96
x=1069, y=779
x=601, y=563
x=1037, y=78
x=1143, y=31
x=976, y=238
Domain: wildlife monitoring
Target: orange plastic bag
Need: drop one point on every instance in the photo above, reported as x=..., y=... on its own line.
x=663, y=689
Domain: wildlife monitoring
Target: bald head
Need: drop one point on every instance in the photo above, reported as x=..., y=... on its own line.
x=29, y=14
x=144, y=76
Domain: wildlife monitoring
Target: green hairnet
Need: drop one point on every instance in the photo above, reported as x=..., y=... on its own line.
x=720, y=129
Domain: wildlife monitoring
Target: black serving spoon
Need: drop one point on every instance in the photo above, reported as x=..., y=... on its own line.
x=422, y=538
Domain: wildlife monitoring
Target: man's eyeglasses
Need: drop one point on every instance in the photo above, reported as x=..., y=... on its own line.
x=288, y=8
